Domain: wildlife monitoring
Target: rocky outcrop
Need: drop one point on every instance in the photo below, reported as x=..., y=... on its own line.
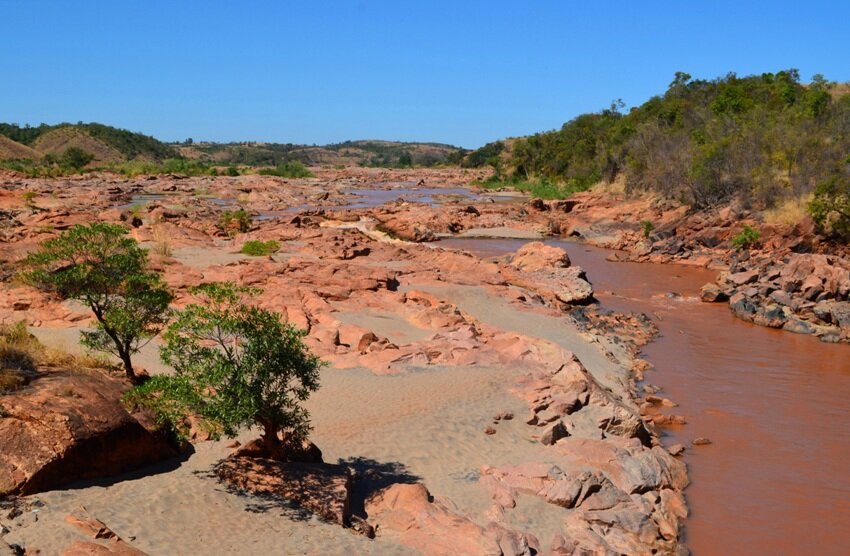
x=104, y=541
x=546, y=271
x=410, y=514
x=70, y=425
x=803, y=293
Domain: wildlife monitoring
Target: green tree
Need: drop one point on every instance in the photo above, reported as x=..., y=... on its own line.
x=235, y=365
x=75, y=158
x=830, y=207
x=103, y=268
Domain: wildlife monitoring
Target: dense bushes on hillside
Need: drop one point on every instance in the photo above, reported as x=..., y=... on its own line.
x=760, y=138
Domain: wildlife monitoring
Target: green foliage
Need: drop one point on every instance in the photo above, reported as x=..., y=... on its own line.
x=291, y=169
x=646, y=227
x=257, y=248
x=236, y=221
x=29, y=198
x=235, y=365
x=131, y=145
x=100, y=266
x=76, y=158
x=488, y=155
x=747, y=238
x=830, y=207
x=541, y=188
x=760, y=138
x=232, y=171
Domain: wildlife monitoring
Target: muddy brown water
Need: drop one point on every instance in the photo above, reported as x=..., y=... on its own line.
x=776, y=405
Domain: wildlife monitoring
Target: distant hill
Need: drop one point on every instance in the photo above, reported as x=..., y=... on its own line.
x=57, y=141
x=13, y=150
x=106, y=143
x=362, y=153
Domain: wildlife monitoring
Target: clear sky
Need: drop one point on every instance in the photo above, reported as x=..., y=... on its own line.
x=460, y=72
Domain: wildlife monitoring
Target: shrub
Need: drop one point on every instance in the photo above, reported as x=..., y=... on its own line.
x=235, y=221
x=747, y=238
x=292, y=169
x=257, y=248
x=646, y=227
x=75, y=157
x=830, y=207
x=232, y=171
x=234, y=365
x=101, y=267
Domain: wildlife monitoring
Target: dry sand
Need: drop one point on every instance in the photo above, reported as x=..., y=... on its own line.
x=421, y=425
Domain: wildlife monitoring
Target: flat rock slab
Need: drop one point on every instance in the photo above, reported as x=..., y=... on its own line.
x=322, y=488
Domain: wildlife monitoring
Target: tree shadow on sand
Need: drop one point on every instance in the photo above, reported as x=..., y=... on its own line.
x=370, y=476
x=258, y=503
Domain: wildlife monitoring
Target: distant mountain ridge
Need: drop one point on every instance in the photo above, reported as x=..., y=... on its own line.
x=110, y=145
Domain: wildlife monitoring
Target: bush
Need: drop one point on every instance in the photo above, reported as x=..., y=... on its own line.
x=232, y=171
x=291, y=169
x=646, y=227
x=830, y=207
x=257, y=248
x=747, y=238
x=235, y=365
x=76, y=158
x=236, y=221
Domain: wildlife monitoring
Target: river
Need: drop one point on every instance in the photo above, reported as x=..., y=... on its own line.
x=776, y=479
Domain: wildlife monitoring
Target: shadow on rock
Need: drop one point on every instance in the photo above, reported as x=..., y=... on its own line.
x=370, y=476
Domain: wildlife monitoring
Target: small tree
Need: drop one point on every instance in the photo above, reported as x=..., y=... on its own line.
x=235, y=365
x=75, y=158
x=830, y=207
x=101, y=267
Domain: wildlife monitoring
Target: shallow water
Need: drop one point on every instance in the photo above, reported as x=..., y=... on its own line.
x=775, y=404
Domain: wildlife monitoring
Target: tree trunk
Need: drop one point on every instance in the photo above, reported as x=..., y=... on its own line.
x=128, y=368
x=272, y=442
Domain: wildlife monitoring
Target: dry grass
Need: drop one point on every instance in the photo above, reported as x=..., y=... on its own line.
x=21, y=355
x=162, y=241
x=788, y=212
x=616, y=187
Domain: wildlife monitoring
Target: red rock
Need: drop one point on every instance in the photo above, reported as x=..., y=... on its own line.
x=409, y=513
x=67, y=426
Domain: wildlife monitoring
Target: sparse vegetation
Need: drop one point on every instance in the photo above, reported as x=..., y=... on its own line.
x=257, y=248
x=542, y=188
x=235, y=365
x=100, y=266
x=21, y=354
x=646, y=227
x=292, y=169
x=236, y=221
x=29, y=199
x=748, y=238
x=162, y=241
x=830, y=207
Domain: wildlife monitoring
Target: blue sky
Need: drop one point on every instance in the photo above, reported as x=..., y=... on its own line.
x=316, y=72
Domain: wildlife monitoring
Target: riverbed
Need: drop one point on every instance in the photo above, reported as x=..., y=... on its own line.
x=774, y=404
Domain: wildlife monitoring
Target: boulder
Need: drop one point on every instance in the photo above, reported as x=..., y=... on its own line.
x=432, y=526
x=69, y=425
x=536, y=256
x=711, y=293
